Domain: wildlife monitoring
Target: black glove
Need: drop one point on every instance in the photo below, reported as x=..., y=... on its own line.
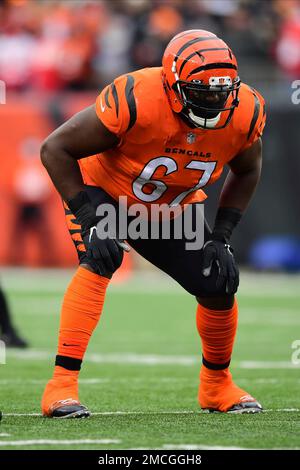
x=221, y=253
x=217, y=250
x=106, y=254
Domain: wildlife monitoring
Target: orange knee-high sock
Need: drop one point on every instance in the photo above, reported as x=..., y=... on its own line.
x=217, y=329
x=81, y=310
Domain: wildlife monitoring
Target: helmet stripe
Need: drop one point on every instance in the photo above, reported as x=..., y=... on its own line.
x=220, y=65
x=185, y=33
x=199, y=52
x=191, y=42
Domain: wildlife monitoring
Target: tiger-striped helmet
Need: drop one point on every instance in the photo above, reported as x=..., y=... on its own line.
x=201, y=78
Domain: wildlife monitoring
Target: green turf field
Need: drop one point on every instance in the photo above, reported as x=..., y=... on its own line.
x=140, y=377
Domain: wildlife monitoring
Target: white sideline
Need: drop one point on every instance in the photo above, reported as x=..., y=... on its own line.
x=33, y=442
x=149, y=359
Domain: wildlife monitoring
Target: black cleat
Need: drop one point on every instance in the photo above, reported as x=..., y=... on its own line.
x=75, y=410
x=248, y=407
x=13, y=340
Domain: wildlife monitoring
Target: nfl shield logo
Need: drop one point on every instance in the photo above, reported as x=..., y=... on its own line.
x=191, y=138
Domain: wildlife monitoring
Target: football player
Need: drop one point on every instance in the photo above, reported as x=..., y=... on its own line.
x=159, y=135
x=9, y=334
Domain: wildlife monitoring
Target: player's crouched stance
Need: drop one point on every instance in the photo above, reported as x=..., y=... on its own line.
x=159, y=135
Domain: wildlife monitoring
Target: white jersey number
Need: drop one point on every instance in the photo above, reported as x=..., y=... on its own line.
x=207, y=168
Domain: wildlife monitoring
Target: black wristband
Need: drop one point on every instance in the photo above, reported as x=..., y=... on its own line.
x=78, y=201
x=227, y=219
x=81, y=206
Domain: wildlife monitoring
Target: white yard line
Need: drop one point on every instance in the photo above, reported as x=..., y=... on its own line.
x=150, y=413
x=94, y=381
x=284, y=410
x=107, y=441
x=206, y=447
x=115, y=413
x=143, y=380
x=33, y=442
x=200, y=447
x=273, y=315
x=21, y=414
x=66, y=442
x=248, y=316
x=266, y=365
x=149, y=359
x=55, y=280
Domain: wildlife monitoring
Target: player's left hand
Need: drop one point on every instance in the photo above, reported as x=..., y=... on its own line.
x=221, y=253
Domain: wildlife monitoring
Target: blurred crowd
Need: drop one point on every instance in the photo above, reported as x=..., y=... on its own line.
x=56, y=45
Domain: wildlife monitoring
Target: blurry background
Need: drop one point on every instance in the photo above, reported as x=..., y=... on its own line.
x=55, y=56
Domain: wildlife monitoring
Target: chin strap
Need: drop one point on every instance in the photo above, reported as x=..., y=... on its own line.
x=202, y=122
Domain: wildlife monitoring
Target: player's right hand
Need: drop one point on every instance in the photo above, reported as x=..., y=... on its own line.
x=106, y=254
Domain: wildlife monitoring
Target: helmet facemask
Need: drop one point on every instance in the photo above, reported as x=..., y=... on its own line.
x=203, y=105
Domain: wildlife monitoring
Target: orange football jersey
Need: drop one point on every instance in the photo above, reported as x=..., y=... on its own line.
x=159, y=158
